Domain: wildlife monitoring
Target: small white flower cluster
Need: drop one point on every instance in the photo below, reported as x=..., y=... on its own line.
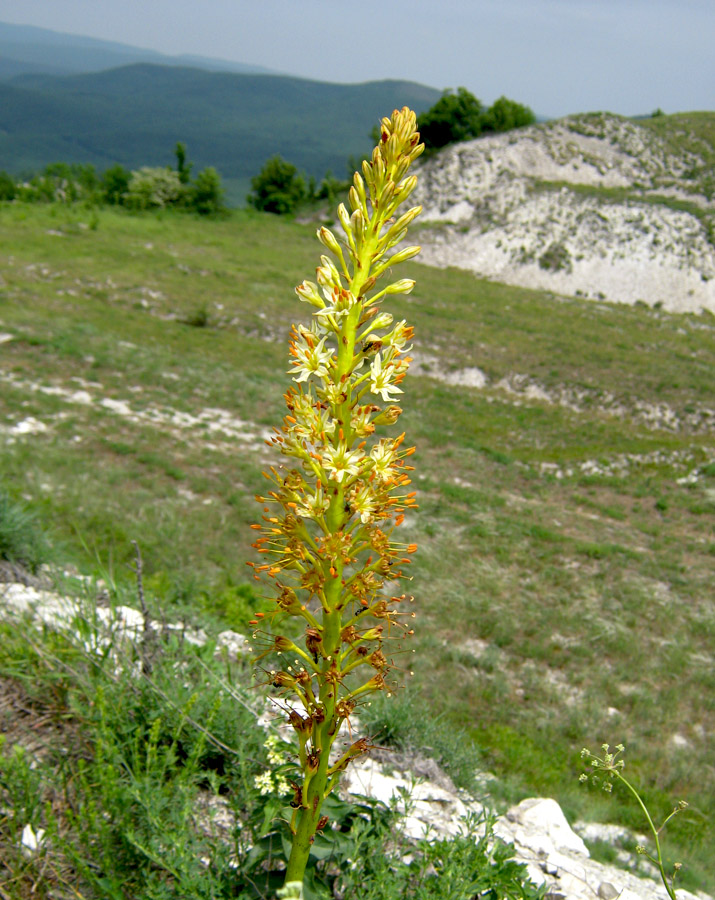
x=276, y=757
x=269, y=782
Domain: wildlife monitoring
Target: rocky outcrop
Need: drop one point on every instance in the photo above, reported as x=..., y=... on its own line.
x=596, y=206
x=555, y=855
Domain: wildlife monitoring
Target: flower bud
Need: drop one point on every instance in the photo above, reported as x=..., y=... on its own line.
x=359, y=186
x=388, y=416
x=403, y=255
x=282, y=644
x=344, y=216
x=328, y=239
x=403, y=286
x=406, y=188
x=283, y=679
x=308, y=291
x=382, y=321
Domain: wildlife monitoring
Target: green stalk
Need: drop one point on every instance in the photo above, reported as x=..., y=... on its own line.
x=654, y=832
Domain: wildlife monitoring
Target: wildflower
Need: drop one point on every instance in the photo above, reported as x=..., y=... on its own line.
x=328, y=520
x=264, y=783
x=313, y=504
x=381, y=378
x=342, y=462
x=308, y=292
x=363, y=502
x=282, y=786
x=340, y=304
x=275, y=756
x=310, y=358
x=383, y=457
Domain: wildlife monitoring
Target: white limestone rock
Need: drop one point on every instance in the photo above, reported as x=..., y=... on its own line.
x=234, y=644
x=540, y=825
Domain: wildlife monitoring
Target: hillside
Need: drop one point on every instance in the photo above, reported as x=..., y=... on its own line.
x=594, y=205
x=565, y=474
x=25, y=49
x=135, y=115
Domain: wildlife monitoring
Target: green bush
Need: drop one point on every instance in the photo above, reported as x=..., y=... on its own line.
x=555, y=258
x=461, y=117
x=205, y=196
x=183, y=168
x=153, y=188
x=7, y=187
x=278, y=187
x=454, y=117
x=505, y=114
x=115, y=184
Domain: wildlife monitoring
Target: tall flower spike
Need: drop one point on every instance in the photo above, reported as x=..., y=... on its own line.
x=327, y=539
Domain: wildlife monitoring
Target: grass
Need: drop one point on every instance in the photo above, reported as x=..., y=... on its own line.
x=22, y=541
x=136, y=783
x=565, y=542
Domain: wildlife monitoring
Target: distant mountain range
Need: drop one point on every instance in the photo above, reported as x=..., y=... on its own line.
x=25, y=49
x=135, y=113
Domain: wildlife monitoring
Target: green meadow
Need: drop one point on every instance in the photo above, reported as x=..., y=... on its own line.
x=564, y=578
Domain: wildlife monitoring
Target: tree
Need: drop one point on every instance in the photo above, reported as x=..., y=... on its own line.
x=278, y=187
x=115, y=184
x=183, y=169
x=461, y=117
x=505, y=114
x=153, y=187
x=7, y=187
x=206, y=194
x=454, y=117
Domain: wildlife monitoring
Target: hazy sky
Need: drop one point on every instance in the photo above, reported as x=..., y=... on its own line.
x=558, y=56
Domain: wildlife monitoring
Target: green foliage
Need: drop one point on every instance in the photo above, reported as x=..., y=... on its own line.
x=183, y=169
x=7, y=187
x=115, y=184
x=461, y=117
x=505, y=114
x=22, y=540
x=453, y=118
x=236, y=605
x=399, y=722
x=278, y=187
x=205, y=196
x=555, y=258
x=143, y=777
x=231, y=121
x=153, y=188
x=154, y=795
x=61, y=182
x=147, y=188
x=471, y=864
